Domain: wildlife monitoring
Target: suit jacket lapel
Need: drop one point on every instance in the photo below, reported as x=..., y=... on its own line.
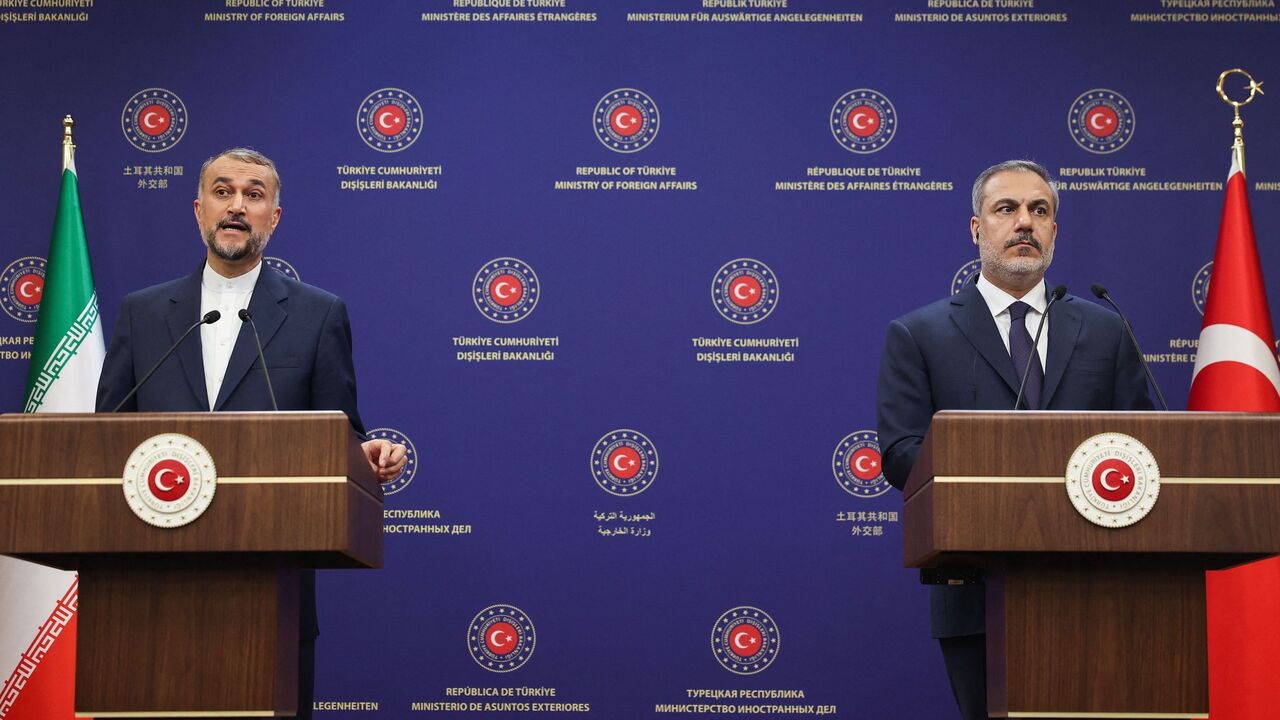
x=267, y=307
x=184, y=309
x=970, y=313
x=1064, y=328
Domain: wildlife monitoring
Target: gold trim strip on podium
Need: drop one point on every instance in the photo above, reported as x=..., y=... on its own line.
x=183, y=714
x=1133, y=715
x=227, y=480
x=1039, y=479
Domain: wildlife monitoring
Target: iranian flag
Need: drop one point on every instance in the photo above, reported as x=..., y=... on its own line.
x=37, y=625
x=1236, y=370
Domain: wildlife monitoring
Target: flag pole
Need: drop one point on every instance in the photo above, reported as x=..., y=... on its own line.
x=68, y=146
x=1237, y=125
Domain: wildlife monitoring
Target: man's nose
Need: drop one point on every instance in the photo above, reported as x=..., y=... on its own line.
x=1024, y=217
x=236, y=206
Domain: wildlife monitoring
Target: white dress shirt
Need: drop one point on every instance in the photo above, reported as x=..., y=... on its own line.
x=998, y=302
x=228, y=296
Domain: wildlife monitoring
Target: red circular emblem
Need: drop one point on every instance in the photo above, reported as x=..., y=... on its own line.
x=28, y=288
x=624, y=462
x=863, y=121
x=1101, y=121
x=389, y=120
x=744, y=640
x=626, y=120
x=1113, y=479
x=169, y=479
x=506, y=290
x=154, y=120
x=501, y=638
x=865, y=464
x=744, y=291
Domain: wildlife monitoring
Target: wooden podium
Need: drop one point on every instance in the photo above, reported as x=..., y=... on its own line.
x=1082, y=620
x=199, y=620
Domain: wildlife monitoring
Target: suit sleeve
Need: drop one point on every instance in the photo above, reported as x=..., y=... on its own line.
x=904, y=404
x=118, y=376
x=1131, y=392
x=333, y=384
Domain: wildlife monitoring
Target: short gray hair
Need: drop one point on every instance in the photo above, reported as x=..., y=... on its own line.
x=245, y=155
x=1030, y=166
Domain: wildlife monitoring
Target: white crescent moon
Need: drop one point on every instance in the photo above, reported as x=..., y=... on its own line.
x=382, y=116
x=857, y=117
x=616, y=459
x=146, y=119
x=857, y=464
x=1104, y=482
x=497, y=290
x=621, y=120
x=23, y=291
x=738, y=294
x=493, y=638
x=736, y=637
x=1093, y=122
x=160, y=480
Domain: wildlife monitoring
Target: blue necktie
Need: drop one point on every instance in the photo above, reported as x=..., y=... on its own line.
x=1020, y=350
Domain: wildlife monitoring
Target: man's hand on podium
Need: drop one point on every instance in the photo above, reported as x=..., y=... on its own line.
x=385, y=457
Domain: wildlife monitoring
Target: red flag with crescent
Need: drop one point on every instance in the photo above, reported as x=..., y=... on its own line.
x=1236, y=370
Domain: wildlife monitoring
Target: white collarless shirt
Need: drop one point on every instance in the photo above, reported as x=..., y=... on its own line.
x=998, y=302
x=228, y=296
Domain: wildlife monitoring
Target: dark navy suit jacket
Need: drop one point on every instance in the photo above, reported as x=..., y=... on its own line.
x=949, y=356
x=306, y=339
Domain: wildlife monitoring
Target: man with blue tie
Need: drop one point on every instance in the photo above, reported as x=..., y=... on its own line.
x=969, y=352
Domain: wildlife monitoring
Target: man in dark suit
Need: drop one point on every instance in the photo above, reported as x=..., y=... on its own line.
x=306, y=337
x=969, y=351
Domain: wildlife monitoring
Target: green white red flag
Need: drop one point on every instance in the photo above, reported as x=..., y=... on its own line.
x=38, y=625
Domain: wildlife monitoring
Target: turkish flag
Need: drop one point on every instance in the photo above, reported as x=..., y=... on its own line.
x=1236, y=370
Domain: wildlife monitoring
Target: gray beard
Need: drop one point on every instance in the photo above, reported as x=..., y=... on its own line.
x=1016, y=270
x=253, y=246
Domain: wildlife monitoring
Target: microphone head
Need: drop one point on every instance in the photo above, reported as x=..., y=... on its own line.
x=244, y=315
x=1058, y=292
x=211, y=317
x=1099, y=291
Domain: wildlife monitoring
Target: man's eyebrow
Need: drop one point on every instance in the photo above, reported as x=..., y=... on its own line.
x=252, y=181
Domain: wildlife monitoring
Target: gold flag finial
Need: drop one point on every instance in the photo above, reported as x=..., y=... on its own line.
x=1255, y=88
x=68, y=146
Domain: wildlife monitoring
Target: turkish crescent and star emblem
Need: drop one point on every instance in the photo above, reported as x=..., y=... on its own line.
x=863, y=121
x=624, y=462
x=745, y=640
x=626, y=120
x=1113, y=480
x=154, y=120
x=169, y=480
x=501, y=638
x=389, y=120
x=857, y=465
x=744, y=291
x=22, y=288
x=1101, y=121
x=505, y=290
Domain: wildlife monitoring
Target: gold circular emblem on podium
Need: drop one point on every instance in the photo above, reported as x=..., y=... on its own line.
x=169, y=480
x=1113, y=480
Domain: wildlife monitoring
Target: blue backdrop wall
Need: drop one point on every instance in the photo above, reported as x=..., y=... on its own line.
x=540, y=213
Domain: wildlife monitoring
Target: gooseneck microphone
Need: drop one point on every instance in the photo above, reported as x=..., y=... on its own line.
x=209, y=318
x=1102, y=294
x=248, y=318
x=1054, y=297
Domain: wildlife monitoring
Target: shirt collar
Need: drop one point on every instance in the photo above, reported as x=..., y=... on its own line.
x=998, y=300
x=211, y=280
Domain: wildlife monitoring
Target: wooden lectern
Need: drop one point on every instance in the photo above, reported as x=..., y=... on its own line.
x=1086, y=621
x=198, y=620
